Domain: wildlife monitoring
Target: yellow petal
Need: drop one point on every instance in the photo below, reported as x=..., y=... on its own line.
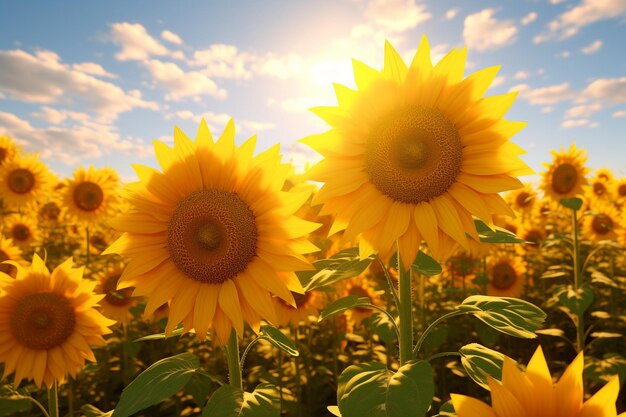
x=229, y=303
x=602, y=404
x=471, y=407
x=395, y=69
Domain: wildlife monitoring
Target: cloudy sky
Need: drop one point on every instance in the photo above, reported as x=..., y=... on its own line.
x=95, y=82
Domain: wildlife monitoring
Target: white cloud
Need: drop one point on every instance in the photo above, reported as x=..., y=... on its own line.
x=591, y=48
x=607, y=90
x=529, y=18
x=93, y=69
x=223, y=61
x=619, y=114
x=557, y=1
x=56, y=117
x=564, y=55
x=498, y=81
x=43, y=78
x=171, y=37
x=136, y=42
x=181, y=84
x=397, y=15
x=567, y=124
x=544, y=95
x=283, y=67
x=451, y=14
x=521, y=75
x=582, y=110
x=483, y=32
x=217, y=121
x=547, y=109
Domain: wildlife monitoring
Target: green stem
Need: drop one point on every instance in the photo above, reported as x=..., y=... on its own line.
x=88, y=245
x=392, y=288
x=247, y=349
x=434, y=324
x=443, y=355
x=53, y=401
x=232, y=357
x=405, y=313
x=580, y=325
x=388, y=314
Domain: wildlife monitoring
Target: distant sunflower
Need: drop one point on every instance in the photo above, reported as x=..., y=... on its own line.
x=605, y=174
x=619, y=191
x=91, y=196
x=116, y=304
x=522, y=200
x=604, y=224
x=22, y=230
x=213, y=234
x=507, y=275
x=566, y=175
x=308, y=304
x=361, y=287
x=8, y=148
x=601, y=184
x=9, y=252
x=49, y=212
x=23, y=180
x=47, y=322
x=414, y=153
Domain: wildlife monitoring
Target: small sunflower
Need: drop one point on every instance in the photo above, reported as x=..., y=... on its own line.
x=213, y=234
x=532, y=393
x=116, y=304
x=507, y=275
x=47, y=322
x=91, y=196
x=308, y=304
x=566, y=176
x=362, y=287
x=605, y=222
x=522, y=200
x=22, y=230
x=9, y=252
x=23, y=180
x=8, y=148
x=49, y=212
x=601, y=185
x=605, y=174
x=415, y=153
x=619, y=191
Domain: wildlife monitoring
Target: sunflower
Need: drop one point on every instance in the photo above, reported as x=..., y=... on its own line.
x=8, y=148
x=116, y=304
x=213, y=234
x=414, y=153
x=522, y=200
x=9, y=252
x=47, y=322
x=601, y=184
x=566, y=175
x=507, y=275
x=308, y=304
x=532, y=393
x=23, y=180
x=23, y=230
x=91, y=196
x=49, y=212
x=362, y=287
x=605, y=222
x=619, y=190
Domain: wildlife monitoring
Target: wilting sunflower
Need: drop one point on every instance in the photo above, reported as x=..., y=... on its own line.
x=23, y=180
x=22, y=230
x=213, y=234
x=9, y=252
x=116, y=304
x=47, y=322
x=566, y=175
x=532, y=393
x=522, y=200
x=414, y=153
x=604, y=224
x=507, y=275
x=308, y=304
x=91, y=196
x=8, y=148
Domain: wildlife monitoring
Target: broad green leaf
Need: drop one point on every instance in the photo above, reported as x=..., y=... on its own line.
x=511, y=316
x=91, y=411
x=576, y=301
x=228, y=401
x=159, y=336
x=572, y=203
x=425, y=265
x=11, y=406
x=495, y=235
x=278, y=339
x=199, y=386
x=161, y=380
x=480, y=361
x=446, y=410
x=371, y=390
x=382, y=326
x=342, y=265
x=343, y=304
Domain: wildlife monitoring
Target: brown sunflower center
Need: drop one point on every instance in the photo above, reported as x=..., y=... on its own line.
x=20, y=232
x=524, y=199
x=621, y=190
x=533, y=236
x=212, y=236
x=413, y=154
x=602, y=224
x=88, y=196
x=42, y=320
x=21, y=181
x=50, y=211
x=599, y=188
x=114, y=296
x=564, y=178
x=503, y=276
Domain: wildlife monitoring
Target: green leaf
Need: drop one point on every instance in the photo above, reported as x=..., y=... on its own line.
x=382, y=326
x=342, y=265
x=228, y=401
x=480, y=361
x=199, y=386
x=159, y=336
x=446, y=410
x=278, y=339
x=91, y=411
x=371, y=390
x=11, y=406
x=495, y=234
x=572, y=203
x=161, y=380
x=511, y=316
x=425, y=265
x=576, y=301
x=343, y=304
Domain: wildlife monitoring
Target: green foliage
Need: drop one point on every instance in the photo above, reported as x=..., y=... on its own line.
x=342, y=265
x=278, y=339
x=496, y=234
x=343, y=304
x=479, y=362
x=576, y=301
x=425, y=265
x=572, y=203
x=229, y=401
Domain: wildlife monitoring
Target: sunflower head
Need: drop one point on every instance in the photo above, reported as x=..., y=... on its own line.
x=91, y=196
x=48, y=321
x=23, y=180
x=308, y=304
x=415, y=153
x=116, y=304
x=566, y=176
x=8, y=148
x=619, y=191
x=213, y=234
x=23, y=230
x=9, y=252
x=506, y=274
x=604, y=223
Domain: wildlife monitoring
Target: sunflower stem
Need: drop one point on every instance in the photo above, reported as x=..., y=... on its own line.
x=405, y=315
x=232, y=357
x=580, y=325
x=53, y=401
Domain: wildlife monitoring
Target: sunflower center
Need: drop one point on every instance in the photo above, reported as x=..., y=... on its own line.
x=503, y=276
x=50, y=211
x=88, y=196
x=533, y=236
x=602, y=224
x=564, y=178
x=21, y=181
x=413, y=154
x=20, y=232
x=523, y=199
x=599, y=188
x=212, y=236
x=113, y=295
x=621, y=190
x=42, y=320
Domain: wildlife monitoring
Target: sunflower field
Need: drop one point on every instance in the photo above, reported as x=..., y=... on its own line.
x=409, y=273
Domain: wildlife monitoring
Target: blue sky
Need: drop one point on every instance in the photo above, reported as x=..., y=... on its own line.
x=95, y=82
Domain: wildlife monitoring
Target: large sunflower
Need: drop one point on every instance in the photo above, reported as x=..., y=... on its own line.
x=414, y=153
x=213, y=233
x=533, y=394
x=91, y=196
x=566, y=175
x=9, y=252
x=507, y=275
x=47, y=322
x=8, y=148
x=23, y=180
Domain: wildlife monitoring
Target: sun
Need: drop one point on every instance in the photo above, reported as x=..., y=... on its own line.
x=91, y=196
x=415, y=153
x=566, y=175
x=23, y=180
x=213, y=234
